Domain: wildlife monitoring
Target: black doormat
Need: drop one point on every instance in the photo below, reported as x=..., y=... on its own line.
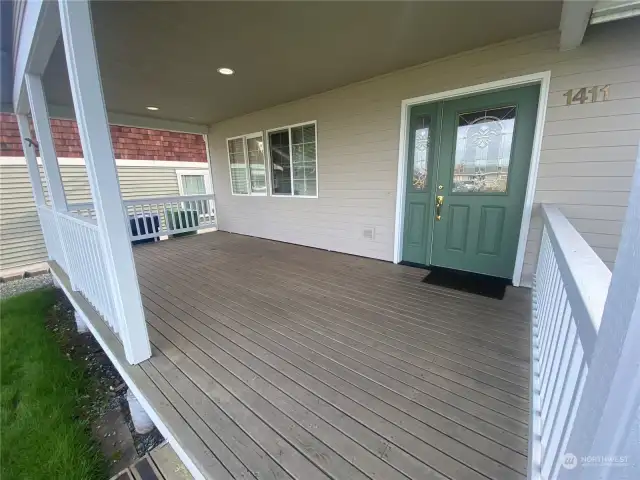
x=492, y=287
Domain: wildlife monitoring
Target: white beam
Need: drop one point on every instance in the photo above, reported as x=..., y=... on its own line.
x=113, y=223
x=138, y=121
x=32, y=162
x=573, y=22
x=38, y=36
x=609, y=405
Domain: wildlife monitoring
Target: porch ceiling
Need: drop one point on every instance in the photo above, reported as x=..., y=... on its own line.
x=166, y=53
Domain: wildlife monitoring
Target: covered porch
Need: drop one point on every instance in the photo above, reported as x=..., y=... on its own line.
x=280, y=361
x=272, y=360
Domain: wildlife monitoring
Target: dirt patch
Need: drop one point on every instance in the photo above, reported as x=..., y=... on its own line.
x=106, y=405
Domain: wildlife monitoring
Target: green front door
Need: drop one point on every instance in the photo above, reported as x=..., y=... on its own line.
x=480, y=169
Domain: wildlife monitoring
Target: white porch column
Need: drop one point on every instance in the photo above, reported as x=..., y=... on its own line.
x=32, y=161
x=86, y=89
x=608, y=410
x=40, y=117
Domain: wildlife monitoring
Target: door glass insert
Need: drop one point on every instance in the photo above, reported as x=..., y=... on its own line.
x=421, y=152
x=483, y=150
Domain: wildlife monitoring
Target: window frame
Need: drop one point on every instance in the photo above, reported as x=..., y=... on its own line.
x=247, y=168
x=208, y=187
x=268, y=147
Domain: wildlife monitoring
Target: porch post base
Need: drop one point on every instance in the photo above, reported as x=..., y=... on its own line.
x=80, y=324
x=141, y=421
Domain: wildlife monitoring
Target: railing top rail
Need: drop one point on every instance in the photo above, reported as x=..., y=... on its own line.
x=179, y=198
x=137, y=201
x=585, y=276
x=79, y=219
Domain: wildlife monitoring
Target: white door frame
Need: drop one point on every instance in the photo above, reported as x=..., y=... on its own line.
x=541, y=78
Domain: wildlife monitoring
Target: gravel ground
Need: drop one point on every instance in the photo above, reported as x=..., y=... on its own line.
x=16, y=287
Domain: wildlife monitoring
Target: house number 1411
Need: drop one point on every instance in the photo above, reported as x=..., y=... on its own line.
x=585, y=94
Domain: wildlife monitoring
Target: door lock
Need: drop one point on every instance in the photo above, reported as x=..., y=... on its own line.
x=439, y=202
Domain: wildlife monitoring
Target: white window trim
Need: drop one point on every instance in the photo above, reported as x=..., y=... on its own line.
x=195, y=171
x=246, y=159
x=268, y=149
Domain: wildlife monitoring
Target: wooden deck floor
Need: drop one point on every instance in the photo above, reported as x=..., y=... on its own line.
x=285, y=362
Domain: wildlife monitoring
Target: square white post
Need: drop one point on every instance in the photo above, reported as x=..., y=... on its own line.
x=32, y=161
x=34, y=175
x=40, y=117
x=86, y=89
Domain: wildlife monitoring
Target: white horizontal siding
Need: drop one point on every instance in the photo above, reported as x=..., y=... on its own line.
x=21, y=242
x=586, y=161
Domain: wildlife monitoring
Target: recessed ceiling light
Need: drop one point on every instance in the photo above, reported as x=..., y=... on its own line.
x=153, y=109
x=225, y=71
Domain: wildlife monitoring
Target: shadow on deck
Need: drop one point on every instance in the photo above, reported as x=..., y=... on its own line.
x=289, y=362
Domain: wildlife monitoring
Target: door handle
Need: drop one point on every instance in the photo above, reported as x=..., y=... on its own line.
x=439, y=202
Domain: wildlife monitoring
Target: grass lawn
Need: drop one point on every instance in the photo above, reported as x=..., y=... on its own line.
x=42, y=431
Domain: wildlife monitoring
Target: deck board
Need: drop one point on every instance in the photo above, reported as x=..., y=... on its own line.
x=291, y=362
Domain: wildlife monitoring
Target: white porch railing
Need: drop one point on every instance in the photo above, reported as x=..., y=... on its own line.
x=569, y=293
x=151, y=218
x=86, y=266
x=51, y=237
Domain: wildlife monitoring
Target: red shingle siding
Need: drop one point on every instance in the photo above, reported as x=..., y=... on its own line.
x=10, y=145
x=128, y=142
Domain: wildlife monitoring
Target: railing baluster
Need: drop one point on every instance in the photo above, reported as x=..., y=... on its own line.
x=571, y=390
x=179, y=221
x=558, y=295
x=552, y=300
x=550, y=410
x=561, y=338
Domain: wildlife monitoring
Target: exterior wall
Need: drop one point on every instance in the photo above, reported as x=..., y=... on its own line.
x=21, y=242
x=586, y=163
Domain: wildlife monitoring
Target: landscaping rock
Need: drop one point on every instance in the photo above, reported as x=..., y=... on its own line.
x=22, y=285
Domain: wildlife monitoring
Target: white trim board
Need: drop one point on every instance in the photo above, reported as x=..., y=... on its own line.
x=542, y=78
x=120, y=162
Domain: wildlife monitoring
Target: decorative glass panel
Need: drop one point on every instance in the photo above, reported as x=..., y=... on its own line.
x=421, y=153
x=483, y=150
x=303, y=148
x=257, y=173
x=238, y=166
x=280, y=163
